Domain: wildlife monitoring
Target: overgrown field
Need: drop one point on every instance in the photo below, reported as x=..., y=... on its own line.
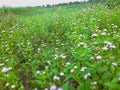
x=72, y=47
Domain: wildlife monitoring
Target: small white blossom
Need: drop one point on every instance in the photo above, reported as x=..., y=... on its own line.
x=104, y=29
x=83, y=69
x=103, y=33
x=72, y=70
x=63, y=56
x=98, y=57
x=38, y=72
x=94, y=35
x=75, y=67
x=85, y=46
x=7, y=84
x=37, y=89
x=56, y=56
x=82, y=43
x=46, y=89
x=53, y=87
x=55, y=78
x=29, y=43
x=105, y=48
x=108, y=43
x=49, y=62
x=112, y=46
x=43, y=72
x=67, y=64
x=87, y=75
x=94, y=83
x=13, y=86
x=6, y=69
x=7, y=60
x=59, y=89
x=2, y=64
x=114, y=64
x=38, y=49
x=46, y=67
x=115, y=26
x=119, y=78
x=62, y=74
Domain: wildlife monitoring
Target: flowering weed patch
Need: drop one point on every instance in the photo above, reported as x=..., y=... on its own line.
x=60, y=48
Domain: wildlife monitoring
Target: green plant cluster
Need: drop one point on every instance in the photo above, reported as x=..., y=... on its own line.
x=75, y=47
x=113, y=3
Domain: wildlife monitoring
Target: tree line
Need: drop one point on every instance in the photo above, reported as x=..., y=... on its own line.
x=76, y=2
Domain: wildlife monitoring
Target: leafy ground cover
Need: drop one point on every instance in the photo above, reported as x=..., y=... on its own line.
x=73, y=47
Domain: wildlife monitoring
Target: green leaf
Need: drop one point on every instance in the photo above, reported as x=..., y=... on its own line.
x=115, y=80
x=66, y=86
x=84, y=86
x=70, y=76
x=112, y=85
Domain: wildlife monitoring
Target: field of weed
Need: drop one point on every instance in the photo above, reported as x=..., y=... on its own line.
x=72, y=47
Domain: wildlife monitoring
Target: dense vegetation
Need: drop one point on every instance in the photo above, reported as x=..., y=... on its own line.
x=72, y=47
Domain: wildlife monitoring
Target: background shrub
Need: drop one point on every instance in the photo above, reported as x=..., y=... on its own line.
x=113, y=3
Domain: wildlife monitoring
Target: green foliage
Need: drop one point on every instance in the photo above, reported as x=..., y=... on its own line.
x=75, y=47
x=113, y=3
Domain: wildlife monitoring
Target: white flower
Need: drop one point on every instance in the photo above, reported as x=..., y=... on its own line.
x=62, y=56
x=119, y=78
x=46, y=89
x=75, y=67
x=105, y=48
x=46, y=67
x=108, y=43
x=62, y=74
x=82, y=43
x=67, y=64
x=38, y=72
x=3, y=31
x=53, y=87
x=59, y=89
x=6, y=69
x=94, y=35
x=49, y=62
x=115, y=26
x=112, y=46
x=13, y=86
x=55, y=78
x=72, y=70
x=7, y=60
x=37, y=89
x=2, y=64
x=94, y=83
x=43, y=72
x=103, y=33
x=104, y=29
x=83, y=69
x=87, y=75
x=78, y=45
x=56, y=56
x=38, y=49
x=114, y=64
x=29, y=43
x=98, y=57
x=7, y=84
x=85, y=46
